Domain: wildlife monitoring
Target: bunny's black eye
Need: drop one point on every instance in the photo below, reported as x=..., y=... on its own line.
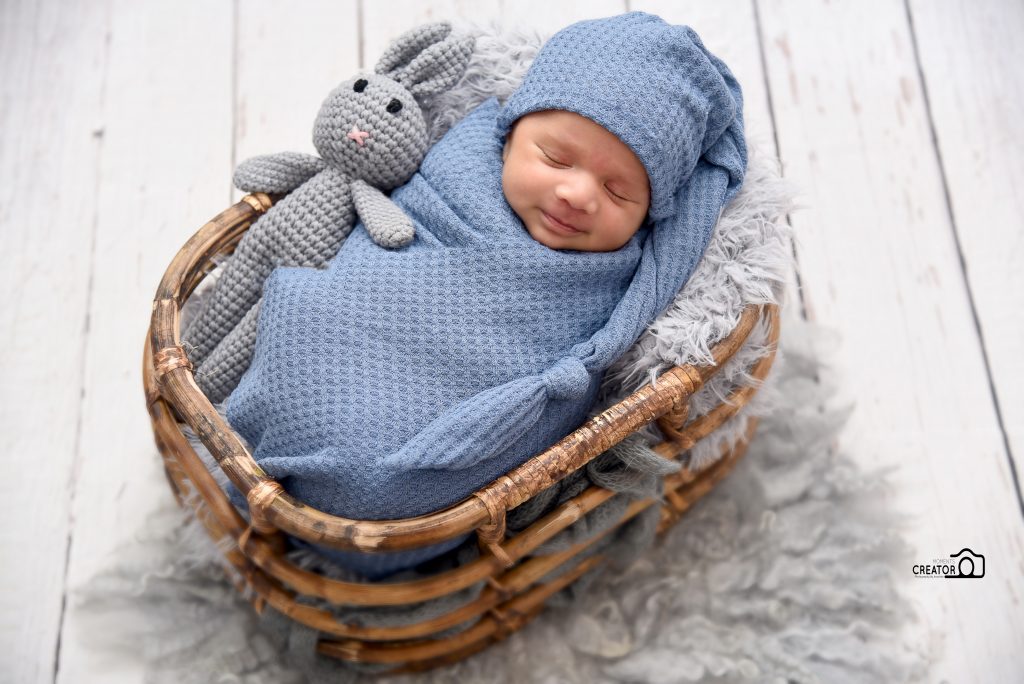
x=360, y=85
x=394, y=106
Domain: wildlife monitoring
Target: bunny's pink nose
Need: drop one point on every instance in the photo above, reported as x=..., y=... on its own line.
x=358, y=135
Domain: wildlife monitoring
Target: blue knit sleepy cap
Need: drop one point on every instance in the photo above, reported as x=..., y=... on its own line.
x=652, y=84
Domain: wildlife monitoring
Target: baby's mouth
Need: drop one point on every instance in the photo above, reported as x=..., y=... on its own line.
x=560, y=226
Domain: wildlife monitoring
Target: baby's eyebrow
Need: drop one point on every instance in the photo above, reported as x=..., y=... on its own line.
x=563, y=145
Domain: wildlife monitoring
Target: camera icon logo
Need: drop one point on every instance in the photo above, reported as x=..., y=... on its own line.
x=967, y=564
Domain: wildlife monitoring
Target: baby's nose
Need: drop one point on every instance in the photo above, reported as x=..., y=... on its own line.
x=578, y=193
x=358, y=135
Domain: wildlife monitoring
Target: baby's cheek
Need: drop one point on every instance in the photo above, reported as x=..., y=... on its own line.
x=619, y=229
x=512, y=192
x=506, y=185
x=516, y=186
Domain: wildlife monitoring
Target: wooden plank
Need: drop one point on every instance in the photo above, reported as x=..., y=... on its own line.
x=288, y=61
x=880, y=264
x=52, y=66
x=383, y=22
x=970, y=57
x=546, y=17
x=164, y=169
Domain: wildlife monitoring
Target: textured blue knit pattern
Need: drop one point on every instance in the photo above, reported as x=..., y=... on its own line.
x=397, y=382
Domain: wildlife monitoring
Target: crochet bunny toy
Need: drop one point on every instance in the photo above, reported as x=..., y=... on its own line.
x=371, y=135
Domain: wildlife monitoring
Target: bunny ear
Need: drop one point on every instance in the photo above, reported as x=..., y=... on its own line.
x=408, y=45
x=439, y=67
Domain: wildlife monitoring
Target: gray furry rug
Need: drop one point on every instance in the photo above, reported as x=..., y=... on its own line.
x=783, y=573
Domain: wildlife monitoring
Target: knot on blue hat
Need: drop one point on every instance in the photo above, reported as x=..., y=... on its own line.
x=567, y=380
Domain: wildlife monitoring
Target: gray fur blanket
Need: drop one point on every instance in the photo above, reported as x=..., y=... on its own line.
x=787, y=572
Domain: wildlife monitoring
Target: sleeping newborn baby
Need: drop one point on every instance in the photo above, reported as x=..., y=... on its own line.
x=550, y=232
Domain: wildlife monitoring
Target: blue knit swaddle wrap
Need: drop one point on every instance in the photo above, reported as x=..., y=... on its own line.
x=397, y=382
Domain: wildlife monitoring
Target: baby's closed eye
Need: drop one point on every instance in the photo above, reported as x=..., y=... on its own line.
x=616, y=193
x=551, y=159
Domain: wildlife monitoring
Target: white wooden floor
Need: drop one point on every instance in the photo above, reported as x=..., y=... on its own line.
x=901, y=120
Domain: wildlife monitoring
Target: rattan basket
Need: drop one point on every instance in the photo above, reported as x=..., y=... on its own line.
x=514, y=593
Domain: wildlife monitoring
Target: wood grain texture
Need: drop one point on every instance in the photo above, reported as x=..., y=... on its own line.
x=971, y=56
x=546, y=17
x=879, y=263
x=53, y=78
x=165, y=159
x=287, y=62
x=382, y=22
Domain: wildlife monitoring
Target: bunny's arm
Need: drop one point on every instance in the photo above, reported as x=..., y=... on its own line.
x=385, y=221
x=278, y=173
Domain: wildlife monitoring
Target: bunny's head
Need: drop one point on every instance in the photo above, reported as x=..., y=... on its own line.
x=371, y=127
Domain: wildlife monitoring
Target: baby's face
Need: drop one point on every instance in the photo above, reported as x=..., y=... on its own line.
x=573, y=183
